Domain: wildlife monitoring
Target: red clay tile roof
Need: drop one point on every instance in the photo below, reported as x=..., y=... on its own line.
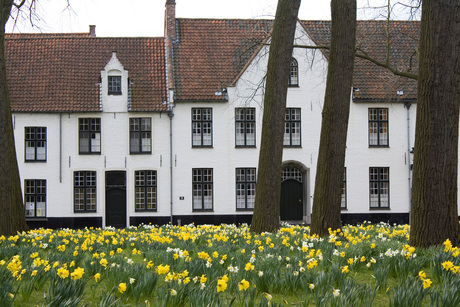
x=60, y=72
x=209, y=54
x=376, y=83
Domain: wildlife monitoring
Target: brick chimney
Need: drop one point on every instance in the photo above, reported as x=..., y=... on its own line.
x=92, y=31
x=170, y=36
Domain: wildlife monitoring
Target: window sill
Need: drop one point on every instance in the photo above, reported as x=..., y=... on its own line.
x=379, y=208
x=202, y=210
x=245, y=146
x=292, y=146
x=114, y=93
x=141, y=153
x=90, y=153
x=85, y=211
x=196, y=146
x=379, y=146
x=34, y=161
x=146, y=211
x=245, y=209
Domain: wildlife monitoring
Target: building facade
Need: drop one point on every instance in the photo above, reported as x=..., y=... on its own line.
x=123, y=131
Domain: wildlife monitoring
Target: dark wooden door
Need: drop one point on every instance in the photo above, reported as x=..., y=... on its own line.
x=291, y=200
x=115, y=199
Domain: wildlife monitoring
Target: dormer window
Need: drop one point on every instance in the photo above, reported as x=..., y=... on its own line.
x=114, y=85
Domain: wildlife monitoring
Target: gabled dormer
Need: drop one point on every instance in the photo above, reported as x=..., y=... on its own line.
x=114, y=86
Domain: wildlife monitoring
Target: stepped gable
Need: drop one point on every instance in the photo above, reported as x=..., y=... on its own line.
x=61, y=72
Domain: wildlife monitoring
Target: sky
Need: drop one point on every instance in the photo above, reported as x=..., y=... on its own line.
x=146, y=17
x=123, y=18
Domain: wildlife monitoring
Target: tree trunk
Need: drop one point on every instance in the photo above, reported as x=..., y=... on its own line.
x=434, y=216
x=331, y=155
x=12, y=218
x=267, y=203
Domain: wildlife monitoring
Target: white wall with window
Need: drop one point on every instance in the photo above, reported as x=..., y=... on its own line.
x=236, y=134
x=366, y=155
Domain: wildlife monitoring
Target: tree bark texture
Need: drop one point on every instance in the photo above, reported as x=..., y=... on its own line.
x=336, y=109
x=434, y=216
x=267, y=203
x=12, y=218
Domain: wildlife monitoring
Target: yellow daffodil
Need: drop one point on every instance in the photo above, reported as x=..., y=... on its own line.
x=63, y=273
x=122, y=287
x=243, y=285
x=221, y=285
x=426, y=283
x=249, y=267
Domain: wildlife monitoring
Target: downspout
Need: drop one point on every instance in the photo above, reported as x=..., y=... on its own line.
x=171, y=115
x=60, y=147
x=407, y=104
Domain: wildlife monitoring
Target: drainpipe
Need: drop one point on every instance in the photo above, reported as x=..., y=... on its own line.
x=171, y=115
x=60, y=147
x=407, y=104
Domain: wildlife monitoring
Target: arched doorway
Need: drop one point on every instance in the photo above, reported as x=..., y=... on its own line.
x=294, y=191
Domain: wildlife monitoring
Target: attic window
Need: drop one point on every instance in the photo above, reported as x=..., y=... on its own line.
x=294, y=73
x=114, y=85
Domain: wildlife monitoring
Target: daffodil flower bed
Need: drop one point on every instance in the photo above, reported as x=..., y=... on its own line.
x=364, y=265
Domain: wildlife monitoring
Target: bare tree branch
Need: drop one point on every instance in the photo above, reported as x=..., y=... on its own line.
x=360, y=53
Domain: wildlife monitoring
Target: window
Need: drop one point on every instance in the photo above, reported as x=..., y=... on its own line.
x=379, y=187
x=35, y=143
x=90, y=135
x=202, y=127
x=378, y=127
x=35, y=197
x=343, y=204
x=140, y=135
x=245, y=127
x=114, y=85
x=245, y=188
x=85, y=191
x=202, y=189
x=146, y=190
x=292, y=127
x=294, y=73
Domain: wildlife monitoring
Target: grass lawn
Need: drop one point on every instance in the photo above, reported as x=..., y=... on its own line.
x=226, y=265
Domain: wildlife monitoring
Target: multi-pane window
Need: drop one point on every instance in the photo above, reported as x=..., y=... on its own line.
x=379, y=187
x=245, y=188
x=140, y=135
x=114, y=85
x=90, y=135
x=245, y=127
x=343, y=204
x=378, y=127
x=146, y=190
x=35, y=197
x=294, y=73
x=35, y=143
x=292, y=127
x=202, y=189
x=201, y=127
x=84, y=191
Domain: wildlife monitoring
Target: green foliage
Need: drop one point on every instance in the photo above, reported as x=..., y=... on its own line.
x=364, y=265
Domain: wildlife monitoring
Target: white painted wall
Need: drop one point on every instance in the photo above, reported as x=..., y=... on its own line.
x=223, y=157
